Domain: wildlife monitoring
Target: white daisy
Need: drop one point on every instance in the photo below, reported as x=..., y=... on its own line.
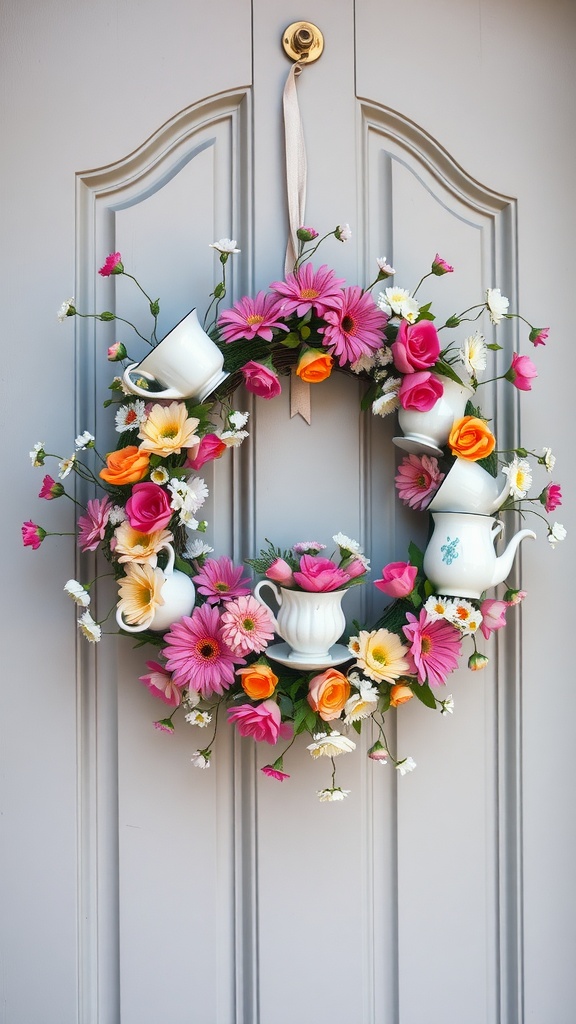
x=519, y=476
x=439, y=607
x=196, y=547
x=91, y=630
x=159, y=476
x=497, y=304
x=547, y=459
x=66, y=467
x=405, y=766
x=85, y=440
x=227, y=245
x=391, y=299
x=465, y=616
x=409, y=310
x=330, y=745
x=131, y=415
x=361, y=705
x=198, y=490
x=384, y=267
x=238, y=419
x=332, y=794
x=199, y=718
x=447, y=705
x=77, y=592
x=63, y=311
x=348, y=545
x=556, y=533
x=37, y=455
x=200, y=759
x=474, y=353
x=187, y=518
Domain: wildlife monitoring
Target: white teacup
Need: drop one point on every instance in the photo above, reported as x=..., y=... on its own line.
x=428, y=431
x=178, y=595
x=309, y=622
x=186, y=364
x=467, y=487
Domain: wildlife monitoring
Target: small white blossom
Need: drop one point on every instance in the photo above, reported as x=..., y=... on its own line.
x=343, y=232
x=117, y=515
x=84, y=440
x=37, y=454
x=77, y=592
x=465, y=616
x=361, y=705
x=63, y=311
x=391, y=299
x=363, y=364
x=330, y=745
x=439, y=607
x=196, y=547
x=347, y=544
x=66, y=467
x=447, y=705
x=91, y=630
x=199, y=718
x=519, y=476
x=388, y=400
x=474, y=353
x=227, y=245
x=384, y=267
x=131, y=415
x=238, y=419
x=200, y=759
x=405, y=766
x=332, y=794
x=159, y=476
x=556, y=533
x=233, y=438
x=190, y=699
x=497, y=304
x=383, y=356
x=409, y=310
x=187, y=495
x=547, y=459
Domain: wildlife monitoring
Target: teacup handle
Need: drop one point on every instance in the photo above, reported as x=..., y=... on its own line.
x=141, y=392
x=277, y=593
x=148, y=622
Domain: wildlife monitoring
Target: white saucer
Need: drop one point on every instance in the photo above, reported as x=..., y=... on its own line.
x=416, y=446
x=336, y=656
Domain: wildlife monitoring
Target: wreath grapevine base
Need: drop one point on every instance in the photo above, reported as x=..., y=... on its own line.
x=217, y=653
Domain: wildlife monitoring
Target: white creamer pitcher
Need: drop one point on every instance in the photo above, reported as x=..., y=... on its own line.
x=309, y=622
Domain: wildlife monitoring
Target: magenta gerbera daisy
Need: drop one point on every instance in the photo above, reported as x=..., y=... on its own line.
x=435, y=647
x=247, y=625
x=220, y=580
x=92, y=526
x=197, y=655
x=355, y=327
x=252, y=318
x=310, y=289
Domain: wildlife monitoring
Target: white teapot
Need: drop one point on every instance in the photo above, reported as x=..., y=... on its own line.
x=467, y=487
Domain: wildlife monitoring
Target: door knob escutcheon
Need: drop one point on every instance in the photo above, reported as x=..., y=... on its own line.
x=303, y=41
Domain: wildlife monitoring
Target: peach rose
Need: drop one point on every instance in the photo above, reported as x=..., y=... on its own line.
x=258, y=681
x=471, y=438
x=126, y=466
x=328, y=693
x=400, y=694
x=314, y=366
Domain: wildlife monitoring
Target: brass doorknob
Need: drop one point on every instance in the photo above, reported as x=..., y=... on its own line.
x=303, y=41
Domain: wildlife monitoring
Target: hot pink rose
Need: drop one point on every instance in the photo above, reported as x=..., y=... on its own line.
x=148, y=509
x=211, y=447
x=420, y=391
x=417, y=346
x=398, y=579
x=281, y=573
x=260, y=380
x=262, y=722
x=493, y=616
x=551, y=497
x=521, y=372
x=319, y=574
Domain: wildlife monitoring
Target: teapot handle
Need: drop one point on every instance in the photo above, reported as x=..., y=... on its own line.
x=277, y=593
x=135, y=389
x=497, y=528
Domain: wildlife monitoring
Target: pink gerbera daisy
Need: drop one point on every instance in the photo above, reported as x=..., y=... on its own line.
x=92, y=526
x=246, y=625
x=435, y=647
x=197, y=654
x=220, y=580
x=252, y=318
x=418, y=479
x=161, y=684
x=310, y=289
x=355, y=327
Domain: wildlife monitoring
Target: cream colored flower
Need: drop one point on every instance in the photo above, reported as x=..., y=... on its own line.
x=140, y=593
x=519, y=475
x=330, y=745
x=77, y=592
x=497, y=304
x=474, y=353
x=361, y=705
x=91, y=629
x=167, y=429
x=134, y=546
x=379, y=654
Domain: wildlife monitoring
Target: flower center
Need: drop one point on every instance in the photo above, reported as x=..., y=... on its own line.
x=169, y=432
x=248, y=624
x=221, y=587
x=207, y=648
x=309, y=293
x=426, y=645
x=462, y=614
x=379, y=656
x=254, y=319
x=130, y=416
x=348, y=324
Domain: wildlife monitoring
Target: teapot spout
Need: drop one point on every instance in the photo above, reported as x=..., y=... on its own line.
x=505, y=561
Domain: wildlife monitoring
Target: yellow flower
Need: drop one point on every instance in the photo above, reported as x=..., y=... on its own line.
x=134, y=546
x=167, y=429
x=140, y=593
x=380, y=654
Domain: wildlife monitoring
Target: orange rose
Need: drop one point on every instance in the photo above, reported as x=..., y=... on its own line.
x=258, y=681
x=314, y=366
x=126, y=466
x=328, y=693
x=400, y=694
x=470, y=438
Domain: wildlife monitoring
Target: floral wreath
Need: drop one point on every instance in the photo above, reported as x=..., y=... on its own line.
x=213, y=631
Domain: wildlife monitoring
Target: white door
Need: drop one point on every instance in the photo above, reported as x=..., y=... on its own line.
x=135, y=888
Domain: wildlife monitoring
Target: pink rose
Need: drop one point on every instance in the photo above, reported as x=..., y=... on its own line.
x=263, y=722
x=398, y=579
x=211, y=447
x=521, y=372
x=355, y=568
x=420, y=391
x=319, y=574
x=260, y=380
x=417, y=346
x=148, y=509
x=281, y=573
x=493, y=616
x=551, y=497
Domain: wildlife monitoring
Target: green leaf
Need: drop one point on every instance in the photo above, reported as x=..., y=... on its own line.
x=444, y=368
x=357, y=726
x=183, y=566
x=424, y=694
x=305, y=332
x=416, y=555
x=291, y=340
x=494, y=347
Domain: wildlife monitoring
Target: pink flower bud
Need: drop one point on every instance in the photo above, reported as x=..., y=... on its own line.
x=281, y=573
x=398, y=579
